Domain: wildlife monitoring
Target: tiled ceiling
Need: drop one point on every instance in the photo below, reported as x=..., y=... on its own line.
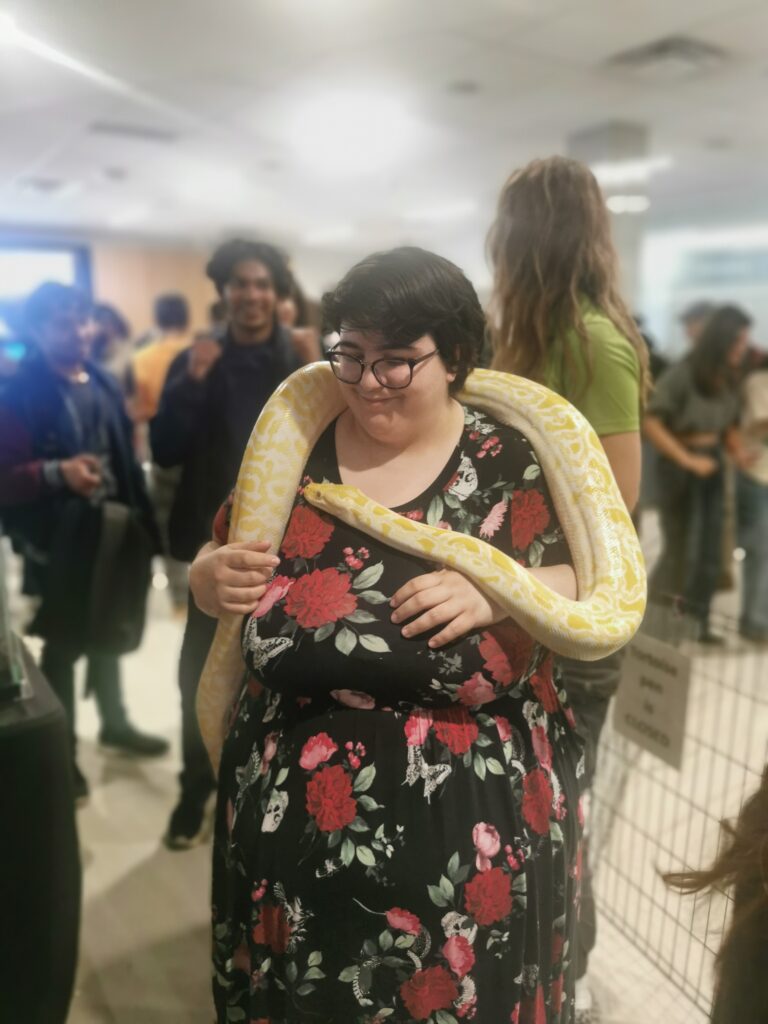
x=336, y=126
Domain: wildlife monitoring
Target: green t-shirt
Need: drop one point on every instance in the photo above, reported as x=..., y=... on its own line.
x=610, y=396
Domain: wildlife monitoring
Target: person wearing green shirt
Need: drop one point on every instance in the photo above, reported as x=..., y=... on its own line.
x=558, y=318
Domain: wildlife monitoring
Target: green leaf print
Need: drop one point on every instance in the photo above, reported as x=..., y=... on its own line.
x=494, y=767
x=368, y=577
x=479, y=766
x=446, y=887
x=305, y=990
x=374, y=643
x=364, y=779
x=291, y=971
x=453, y=866
x=374, y=597
x=386, y=941
x=437, y=896
x=366, y=856
x=347, y=852
x=315, y=959
x=323, y=632
x=435, y=511
x=345, y=641
x=443, y=1017
x=314, y=974
x=348, y=974
x=359, y=616
x=358, y=825
x=535, y=554
x=533, y=472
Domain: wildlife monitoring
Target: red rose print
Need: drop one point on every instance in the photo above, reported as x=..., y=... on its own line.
x=307, y=534
x=544, y=688
x=530, y=517
x=476, y=690
x=487, y=843
x=488, y=897
x=507, y=652
x=541, y=746
x=330, y=800
x=427, y=991
x=417, y=727
x=322, y=596
x=273, y=929
x=537, y=800
x=459, y=954
x=275, y=592
x=456, y=728
x=317, y=750
x=533, y=1010
x=403, y=921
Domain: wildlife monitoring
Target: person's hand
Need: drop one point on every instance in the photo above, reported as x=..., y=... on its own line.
x=702, y=465
x=745, y=458
x=306, y=344
x=82, y=474
x=231, y=577
x=443, y=598
x=203, y=354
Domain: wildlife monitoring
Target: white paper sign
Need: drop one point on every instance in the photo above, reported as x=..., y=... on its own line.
x=652, y=701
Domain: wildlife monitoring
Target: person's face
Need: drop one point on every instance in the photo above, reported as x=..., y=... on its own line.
x=386, y=413
x=693, y=328
x=738, y=350
x=65, y=337
x=250, y=296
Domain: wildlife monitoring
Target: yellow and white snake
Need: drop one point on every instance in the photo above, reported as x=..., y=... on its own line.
x=606, y=553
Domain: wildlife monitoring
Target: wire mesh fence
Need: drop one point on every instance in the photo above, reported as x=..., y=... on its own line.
x=647, y=817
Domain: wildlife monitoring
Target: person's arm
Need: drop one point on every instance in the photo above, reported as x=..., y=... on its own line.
x=181, y=405
x=624, y=454
x=665, y=442
x=737, y=449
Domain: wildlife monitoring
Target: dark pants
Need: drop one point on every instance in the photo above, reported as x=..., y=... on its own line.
x=589, y=686
x=197, y=779
x=752, y=506
x=691, y=512
x=102, y=680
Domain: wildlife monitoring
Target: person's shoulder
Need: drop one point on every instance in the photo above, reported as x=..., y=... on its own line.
x=609, y=342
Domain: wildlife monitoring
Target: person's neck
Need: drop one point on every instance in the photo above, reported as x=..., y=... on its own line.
x=68, y=371
x=251, y=336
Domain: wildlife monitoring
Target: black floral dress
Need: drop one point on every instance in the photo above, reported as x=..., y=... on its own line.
x=397, y=828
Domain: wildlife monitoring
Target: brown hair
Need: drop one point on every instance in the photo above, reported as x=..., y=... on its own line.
x=742, y=865
x=551, y=247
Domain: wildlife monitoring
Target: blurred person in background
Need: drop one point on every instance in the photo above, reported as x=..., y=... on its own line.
x=111, y=347
x=64, y=438
x=293, y=313
x=740, y=870
x=213, y=394
x=752, y=509
x=692, y=421
x=149, y=369
x=557, y=317
x=217, y=318
x=694, y=319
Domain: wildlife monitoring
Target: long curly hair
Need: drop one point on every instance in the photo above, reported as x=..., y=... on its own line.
x=551, y=248
x=741, y=866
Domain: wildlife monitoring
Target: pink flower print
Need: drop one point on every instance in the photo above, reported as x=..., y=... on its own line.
x=403, y=921
x=459, y=954
x=363, y=553
x=476, y=690
x=275, y=592
x=487, y=843
x=417, y=727
x=270, y=749
x=541, y=746
x=354, y=699
x=417, y=515
x=317, y=750
x=442, y=525
x=494, y=519
x=505, y=729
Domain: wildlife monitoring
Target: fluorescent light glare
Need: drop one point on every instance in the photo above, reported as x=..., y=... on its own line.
x=8, y=30
x=627, y=204
x=615, y=173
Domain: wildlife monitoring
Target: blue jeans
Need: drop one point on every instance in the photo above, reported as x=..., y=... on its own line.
x=752, y=506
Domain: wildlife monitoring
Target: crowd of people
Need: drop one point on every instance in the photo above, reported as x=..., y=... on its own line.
x=343, y=890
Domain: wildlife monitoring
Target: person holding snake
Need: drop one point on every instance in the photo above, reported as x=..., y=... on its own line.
x=398, y=818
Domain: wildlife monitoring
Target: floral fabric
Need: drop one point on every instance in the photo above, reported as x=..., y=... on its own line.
x=397, y=828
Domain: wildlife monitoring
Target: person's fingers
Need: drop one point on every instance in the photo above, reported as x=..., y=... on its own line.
x=237, y=609
x=442, y=613
x=415, y=586
x=250, y=545
x=91, y=461
x=247, y=560
x=420, y=602
x=241, y=596
x=242, y=579
x=459, y=626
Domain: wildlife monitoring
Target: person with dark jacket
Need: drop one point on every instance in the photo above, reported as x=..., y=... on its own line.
x=213, y=394
x=65, y=446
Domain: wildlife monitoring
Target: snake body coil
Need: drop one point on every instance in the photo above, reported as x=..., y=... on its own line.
x=606, y=554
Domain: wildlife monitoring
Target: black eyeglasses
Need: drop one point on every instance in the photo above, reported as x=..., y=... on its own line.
x=394, y=374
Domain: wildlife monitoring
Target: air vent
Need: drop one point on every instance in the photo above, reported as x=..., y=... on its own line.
x=670, y=59
x=142, y=132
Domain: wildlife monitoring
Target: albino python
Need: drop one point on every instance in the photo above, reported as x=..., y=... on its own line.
x=606, y=554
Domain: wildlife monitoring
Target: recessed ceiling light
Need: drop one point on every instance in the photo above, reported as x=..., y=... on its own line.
x=627, y=204
x=613, y=173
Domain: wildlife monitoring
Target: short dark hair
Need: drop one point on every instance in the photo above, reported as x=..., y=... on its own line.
x=709, y=359
x=50, y=298
x=111, y=318
x=238, y=250
x=697, y=311
x=406, y=293
x=172, y=312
